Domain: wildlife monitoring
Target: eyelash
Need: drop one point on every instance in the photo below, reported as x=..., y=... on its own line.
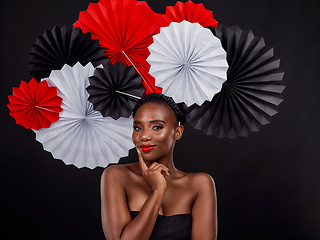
x=159, y=127
x=136, y=128
x=156, y=128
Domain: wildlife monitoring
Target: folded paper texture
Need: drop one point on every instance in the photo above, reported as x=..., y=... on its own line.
x=82, y=136
x=61, y=46
x=125, y=29
x=188, y=62
x=35, y=105
x=115, y=89
x=252, y=92
x=191, y=12
x=87, y=78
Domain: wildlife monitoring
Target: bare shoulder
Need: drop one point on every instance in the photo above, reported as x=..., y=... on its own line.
x=117, y=173
x=113, y=171
x=200, y=177
x=201, y=181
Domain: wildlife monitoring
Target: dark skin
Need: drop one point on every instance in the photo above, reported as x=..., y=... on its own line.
x=154, y=185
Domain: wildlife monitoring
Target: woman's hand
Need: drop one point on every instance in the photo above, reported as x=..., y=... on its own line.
x=154, y=175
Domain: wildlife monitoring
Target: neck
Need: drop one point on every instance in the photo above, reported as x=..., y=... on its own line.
x=166, y=161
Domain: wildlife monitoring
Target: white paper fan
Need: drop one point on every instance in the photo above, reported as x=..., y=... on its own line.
x=82, y=136
x=188, y=62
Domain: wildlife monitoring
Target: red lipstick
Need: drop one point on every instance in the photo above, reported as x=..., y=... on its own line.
x=146, y=148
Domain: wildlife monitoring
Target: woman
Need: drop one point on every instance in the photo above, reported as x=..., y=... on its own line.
x=152, y=199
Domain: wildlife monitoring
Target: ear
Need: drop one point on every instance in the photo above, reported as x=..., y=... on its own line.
x=179, y=131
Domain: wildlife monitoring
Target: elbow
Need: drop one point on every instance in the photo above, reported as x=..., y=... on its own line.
x=111, y=237
x=110, y=234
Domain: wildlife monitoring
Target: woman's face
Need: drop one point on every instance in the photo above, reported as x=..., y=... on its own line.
x=155, y=131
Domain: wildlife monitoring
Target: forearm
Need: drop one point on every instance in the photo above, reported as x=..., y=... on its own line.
x=141, y=226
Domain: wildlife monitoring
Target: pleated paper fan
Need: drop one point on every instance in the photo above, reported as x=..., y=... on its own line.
x=191, y=12
x=125, y=29
x=82, y=136
x=61, y=46
x=115, y=89
x=35, y=105
x=252, y=92
x=188, y=62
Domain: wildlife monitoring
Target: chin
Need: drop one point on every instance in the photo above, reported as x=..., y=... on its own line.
x=149, y=158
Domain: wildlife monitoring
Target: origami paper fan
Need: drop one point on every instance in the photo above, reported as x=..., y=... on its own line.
x=252, y=92
x=188, y=62
x=190, y=12
x=115, y=89
x=35, y=105
x=82, y=136
x=125, y=28
x=63, y=46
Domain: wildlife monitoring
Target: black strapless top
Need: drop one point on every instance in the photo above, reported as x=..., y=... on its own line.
x=175, y=227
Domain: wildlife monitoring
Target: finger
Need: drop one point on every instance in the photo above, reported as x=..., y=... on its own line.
x=153, y=165
x=166, y=171
x=161, y=168
x=141, y=161
x=156, y=165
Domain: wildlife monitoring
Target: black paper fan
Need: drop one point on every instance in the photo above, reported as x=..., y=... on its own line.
x=115, y=89
x=252, y=92
x=61, y=46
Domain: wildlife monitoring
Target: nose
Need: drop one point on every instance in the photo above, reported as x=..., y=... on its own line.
x=145, y=136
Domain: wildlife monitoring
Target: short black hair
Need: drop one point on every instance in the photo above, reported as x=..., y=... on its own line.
x=161, y=98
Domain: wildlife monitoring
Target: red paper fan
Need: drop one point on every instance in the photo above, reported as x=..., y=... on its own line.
x=35, y=105
x=125, y=28
x=190, y=12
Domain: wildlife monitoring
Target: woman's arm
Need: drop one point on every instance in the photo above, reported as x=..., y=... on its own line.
x=204, y=209
x=116, y=220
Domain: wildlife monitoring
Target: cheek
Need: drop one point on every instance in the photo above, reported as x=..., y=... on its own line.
x=134, y=138
x=161, y=136
x=165, y=137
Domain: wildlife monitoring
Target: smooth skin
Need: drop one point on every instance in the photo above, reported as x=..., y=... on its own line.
x=154, y=185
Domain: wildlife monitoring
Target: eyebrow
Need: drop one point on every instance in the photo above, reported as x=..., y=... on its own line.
x=152, y=121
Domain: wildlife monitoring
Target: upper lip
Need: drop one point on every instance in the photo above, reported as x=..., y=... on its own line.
x=146, y=146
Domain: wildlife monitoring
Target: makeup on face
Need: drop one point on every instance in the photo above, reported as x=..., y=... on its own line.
x=154, y=131
x=146, y=148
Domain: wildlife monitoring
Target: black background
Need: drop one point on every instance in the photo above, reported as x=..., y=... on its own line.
x=268, y=184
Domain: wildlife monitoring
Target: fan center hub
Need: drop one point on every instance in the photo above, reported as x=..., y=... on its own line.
x=186, y=64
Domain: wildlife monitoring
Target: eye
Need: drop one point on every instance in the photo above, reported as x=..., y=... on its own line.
x=157, y=127
x=136, y=128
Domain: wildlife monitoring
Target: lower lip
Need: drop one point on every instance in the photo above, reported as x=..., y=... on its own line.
x=147, y=149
